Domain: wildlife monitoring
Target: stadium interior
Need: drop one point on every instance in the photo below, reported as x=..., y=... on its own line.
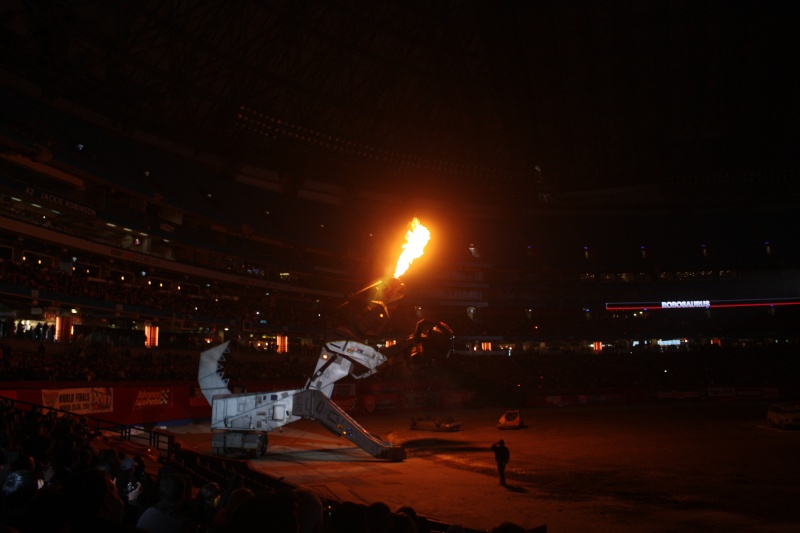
x=250, y=209
x=603, y=202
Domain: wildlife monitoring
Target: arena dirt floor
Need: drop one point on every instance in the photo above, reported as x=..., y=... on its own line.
x=681, y=467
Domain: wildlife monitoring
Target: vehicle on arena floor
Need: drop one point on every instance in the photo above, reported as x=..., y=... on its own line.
x=438, y=423
x=784, y=415
x=511, y=420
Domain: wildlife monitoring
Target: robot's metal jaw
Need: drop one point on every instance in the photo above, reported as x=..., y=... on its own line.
x=436, y=338
x=366, y=312
x=386, y=290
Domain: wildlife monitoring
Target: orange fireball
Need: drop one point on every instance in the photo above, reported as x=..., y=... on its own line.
x=417, y=237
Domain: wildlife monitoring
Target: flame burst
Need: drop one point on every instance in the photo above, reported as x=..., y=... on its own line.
x=417, y=237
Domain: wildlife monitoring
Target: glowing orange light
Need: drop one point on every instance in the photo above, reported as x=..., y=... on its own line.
x=417, y=237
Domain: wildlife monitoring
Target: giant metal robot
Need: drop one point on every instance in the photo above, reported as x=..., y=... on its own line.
x=241, y=422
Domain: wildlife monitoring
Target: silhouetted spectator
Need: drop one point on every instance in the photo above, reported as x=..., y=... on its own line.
x=348, y=517
x=206, y=505
x=280, y=509
x=310, y=511
x=108, y=460
x=90, y=502
x=235, y=481
x=378, y=518
x=403, y=523
x=236, y=498
x=19, y=490
x=421, y=522
x=166, y=516
x=131, y=483
x=5, y=469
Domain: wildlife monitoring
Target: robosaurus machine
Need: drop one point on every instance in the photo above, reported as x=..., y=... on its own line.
x=241, y=422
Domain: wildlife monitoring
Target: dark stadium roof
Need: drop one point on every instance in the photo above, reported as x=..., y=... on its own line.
x=477, y=100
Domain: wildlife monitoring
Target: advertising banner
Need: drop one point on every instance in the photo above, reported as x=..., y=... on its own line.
x=84, y=401
x=152, y=397
x=756, y=392
x=742, y=392
x=720, y=392
x=585, y=399
x=678, y=395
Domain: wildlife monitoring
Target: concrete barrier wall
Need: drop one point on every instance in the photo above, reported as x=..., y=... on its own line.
x=156, y=403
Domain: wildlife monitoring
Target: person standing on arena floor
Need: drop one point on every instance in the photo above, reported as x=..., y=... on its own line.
x=502, y=456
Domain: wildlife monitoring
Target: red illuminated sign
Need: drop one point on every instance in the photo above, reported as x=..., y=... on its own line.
x=700, y=304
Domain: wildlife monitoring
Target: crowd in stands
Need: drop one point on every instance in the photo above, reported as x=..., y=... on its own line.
x=118, y=355
x=101, y=362
x=244, y=305
x=528, y=373
x=649, y=372
x=239, y=304
x=48, y=146
x=57, y=475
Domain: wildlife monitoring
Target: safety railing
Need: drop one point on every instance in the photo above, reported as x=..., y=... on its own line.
x=162, y=443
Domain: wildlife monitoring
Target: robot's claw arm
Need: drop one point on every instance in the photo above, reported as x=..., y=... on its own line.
x=430, y=339
x=341, y=358
x=364, y=313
